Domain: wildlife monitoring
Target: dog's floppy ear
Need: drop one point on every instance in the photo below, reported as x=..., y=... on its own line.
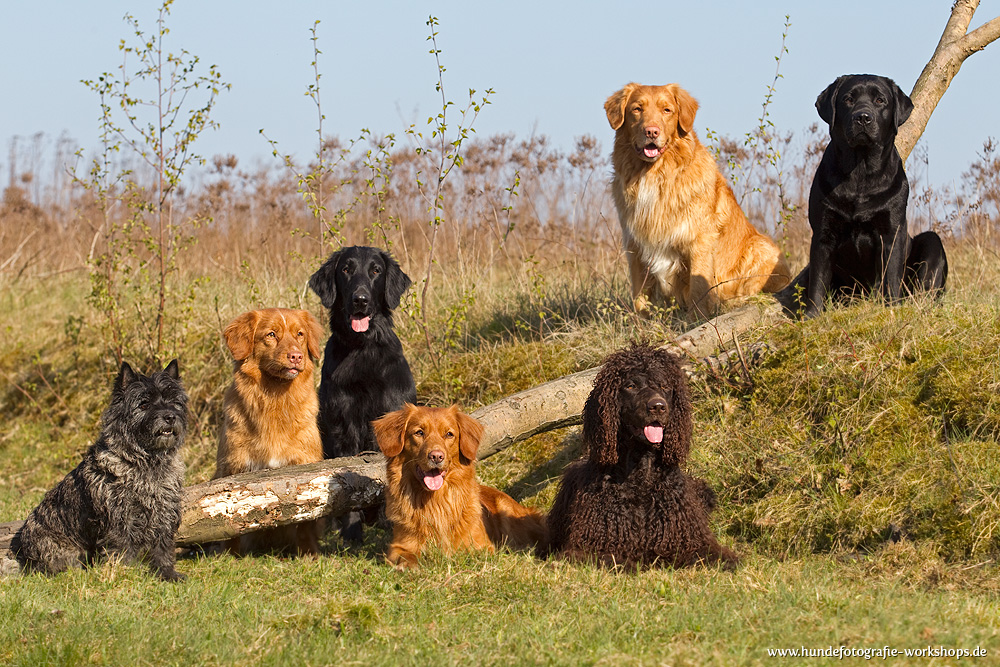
x=172, y=370
x=600, y=418
x=469, y=436
x=396, y=282
x=677, y=430
x=615, y=106
x=390, y=430
x=314, y=333
x=687, y=107
x=904, y=105
x=826, y=103
x=239, y=335
x=125, y=377
x=324, y=281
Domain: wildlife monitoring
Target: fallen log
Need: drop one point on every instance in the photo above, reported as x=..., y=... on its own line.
x=226, y=507
x=559, y=403
x=230, y=506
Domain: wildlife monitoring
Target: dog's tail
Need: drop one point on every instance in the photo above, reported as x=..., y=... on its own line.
x=510, y=523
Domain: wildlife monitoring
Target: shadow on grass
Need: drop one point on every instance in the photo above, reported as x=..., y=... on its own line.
x=542, y=477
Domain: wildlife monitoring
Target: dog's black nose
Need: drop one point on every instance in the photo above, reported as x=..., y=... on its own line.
x=863, y=118
x=656, y=405
x=360, y=300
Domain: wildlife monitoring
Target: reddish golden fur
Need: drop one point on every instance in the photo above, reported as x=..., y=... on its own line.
x=461, y=514
x=270, y=408
x=684, y=233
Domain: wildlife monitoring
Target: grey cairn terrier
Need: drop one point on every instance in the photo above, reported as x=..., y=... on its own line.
x=124, y=499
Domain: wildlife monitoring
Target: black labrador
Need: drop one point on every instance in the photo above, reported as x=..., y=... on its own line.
x=365, y=374
x=857, y=204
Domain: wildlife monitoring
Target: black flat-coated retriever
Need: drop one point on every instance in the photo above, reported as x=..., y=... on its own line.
x=857, y=204
x=365, y=374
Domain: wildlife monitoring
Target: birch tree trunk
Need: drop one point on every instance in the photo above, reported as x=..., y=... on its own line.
x=956, y=44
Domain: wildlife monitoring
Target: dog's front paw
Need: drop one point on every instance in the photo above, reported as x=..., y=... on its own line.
x=401, y=560
x=171, y=575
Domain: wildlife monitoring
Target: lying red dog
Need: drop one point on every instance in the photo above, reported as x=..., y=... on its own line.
x=432, y=494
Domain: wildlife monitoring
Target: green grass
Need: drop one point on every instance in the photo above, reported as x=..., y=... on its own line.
x=491, y=609
x=857, y=470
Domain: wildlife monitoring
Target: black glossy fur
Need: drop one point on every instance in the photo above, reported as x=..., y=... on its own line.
x=365, y=374
x=628, y=502
x=124, y=499
x=857, y=204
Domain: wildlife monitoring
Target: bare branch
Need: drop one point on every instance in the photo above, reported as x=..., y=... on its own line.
x=952, y=50
x=978, y=39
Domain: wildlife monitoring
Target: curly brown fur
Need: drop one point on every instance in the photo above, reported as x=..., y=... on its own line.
x=124, y=499
x=627, y=502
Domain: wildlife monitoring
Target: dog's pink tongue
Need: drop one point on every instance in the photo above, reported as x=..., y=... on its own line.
x=651, y=151
x=433, y=482
x=653, y=433
x=360, y=324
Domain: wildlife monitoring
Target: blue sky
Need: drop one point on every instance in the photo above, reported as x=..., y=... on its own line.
x=552, y=65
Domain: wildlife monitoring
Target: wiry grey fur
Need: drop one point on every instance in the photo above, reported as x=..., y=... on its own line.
x=124, y=499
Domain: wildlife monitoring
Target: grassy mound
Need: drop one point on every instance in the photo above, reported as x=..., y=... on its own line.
x=868, y=425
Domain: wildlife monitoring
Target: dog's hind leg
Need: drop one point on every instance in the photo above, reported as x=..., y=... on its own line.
x=38, y=551
x=926, y=263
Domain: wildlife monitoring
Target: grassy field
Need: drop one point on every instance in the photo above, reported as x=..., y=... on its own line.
x=350, y=608
x=857, y=469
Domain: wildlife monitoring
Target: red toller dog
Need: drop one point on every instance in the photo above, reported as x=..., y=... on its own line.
x=270, y=410
x=432, y=494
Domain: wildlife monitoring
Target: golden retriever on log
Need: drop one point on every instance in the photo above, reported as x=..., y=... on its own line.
x=684, y=233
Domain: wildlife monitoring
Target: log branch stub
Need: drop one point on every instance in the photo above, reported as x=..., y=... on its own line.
x=956, y=44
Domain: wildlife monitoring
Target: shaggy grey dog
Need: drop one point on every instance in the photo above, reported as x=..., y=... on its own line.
x=123, y=500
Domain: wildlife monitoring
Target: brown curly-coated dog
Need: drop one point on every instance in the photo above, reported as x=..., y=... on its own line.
x=627, y=502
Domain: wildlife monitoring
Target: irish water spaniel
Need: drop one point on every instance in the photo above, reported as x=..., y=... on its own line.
x=627, y=502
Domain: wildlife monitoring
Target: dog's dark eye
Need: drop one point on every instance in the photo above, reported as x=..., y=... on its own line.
x=667, y=110
x=419, y=432
x=143, y=405
x=449, y=434
x=376, y=270
x=630, y=384
x=300, y=334
x=270, y=334
x=880, y=101
x=848, y=99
